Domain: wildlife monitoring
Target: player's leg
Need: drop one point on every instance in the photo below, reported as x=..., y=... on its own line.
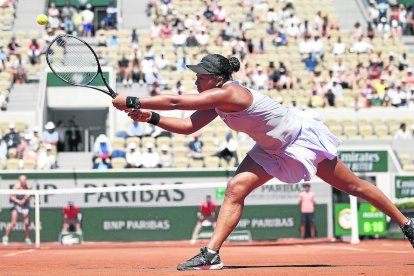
x=13, y=221
x=14, y=217
x=196, y=231
x=248, y=176
x=26, y=222
x=338, y=175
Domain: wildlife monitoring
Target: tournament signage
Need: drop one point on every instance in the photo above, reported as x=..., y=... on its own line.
x=404, y=186
x=272, y=211
x=371, y=221
x=365, y=161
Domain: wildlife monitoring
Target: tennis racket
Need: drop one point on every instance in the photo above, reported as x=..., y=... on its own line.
x=75, y=62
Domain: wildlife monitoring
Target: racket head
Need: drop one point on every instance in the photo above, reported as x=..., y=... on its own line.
x=72, y=60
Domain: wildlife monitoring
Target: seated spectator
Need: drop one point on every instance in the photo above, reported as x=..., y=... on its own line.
x=113, y=41
x=12, y=138
x=260, y=79
x=357, y=32
x=305, y=46
x=133, y=156
x=150, y=157
x=102, y=164
x=36, y=139
x=135, y=129
x=13, y=46
x=310, y=62
x=191, y=40
x=220, y=14
x=47, y=159
x=203, y=38
x=154, y=89
x=137, y=73
x=178, y=89
x=195, y=149
x=34, y=51
x=50, y=135
x=102, y=148
x=361, y=46
x=208, y=13
x=19, y=70
x=280, y=39
x=166, y=30
x=329, y=98
x=25, y=148
x=228, y=150
x=124, y=70
x=403, y=133
x=162, y=62
x=166, y=159
x=178, y=40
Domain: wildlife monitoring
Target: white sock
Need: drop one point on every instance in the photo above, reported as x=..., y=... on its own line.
x=211, y=250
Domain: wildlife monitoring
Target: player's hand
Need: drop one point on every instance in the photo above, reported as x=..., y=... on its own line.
x=120, y=102
x=140, y=115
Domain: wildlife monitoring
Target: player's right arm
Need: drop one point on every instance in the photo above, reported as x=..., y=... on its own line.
x=186, y=126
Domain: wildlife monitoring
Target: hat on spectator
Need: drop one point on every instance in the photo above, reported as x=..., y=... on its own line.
x=149, y=145
x=49, y=125
x=28, y=136
x=11, y=126
x=35, y=129
x=165, y=148
x=89, y=6
x=48, y=146
x=102, y=138
x=132, y=146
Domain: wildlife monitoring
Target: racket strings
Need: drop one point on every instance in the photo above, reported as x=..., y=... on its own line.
x=72, y=60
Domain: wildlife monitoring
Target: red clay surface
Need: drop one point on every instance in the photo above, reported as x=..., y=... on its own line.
x=289, y=257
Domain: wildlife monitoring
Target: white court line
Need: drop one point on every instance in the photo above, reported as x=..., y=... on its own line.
x=18, y=252
x=363, y=249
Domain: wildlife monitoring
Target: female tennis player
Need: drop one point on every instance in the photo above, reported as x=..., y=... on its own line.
x=289, y=146
x=21, y=205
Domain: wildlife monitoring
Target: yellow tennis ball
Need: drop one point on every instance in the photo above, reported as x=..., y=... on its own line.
x=41, y=19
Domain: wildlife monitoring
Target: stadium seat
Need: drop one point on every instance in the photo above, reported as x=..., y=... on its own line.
x=405, y=158
x=408, y=167
x=13, y=164
x=118, y=143
x=118, y=163
x=29, y=164
x=2, y=164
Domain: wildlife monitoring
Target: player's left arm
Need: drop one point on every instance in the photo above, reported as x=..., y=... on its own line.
x=210, y=99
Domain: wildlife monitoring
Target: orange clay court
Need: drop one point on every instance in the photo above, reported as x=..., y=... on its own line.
x=290, y=257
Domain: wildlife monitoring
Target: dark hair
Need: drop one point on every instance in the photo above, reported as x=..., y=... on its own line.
x=226, y=65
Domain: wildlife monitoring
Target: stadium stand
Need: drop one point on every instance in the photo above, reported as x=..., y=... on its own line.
x=293, y=51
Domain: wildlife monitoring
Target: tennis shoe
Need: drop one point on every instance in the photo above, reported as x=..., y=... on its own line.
x=5, y=240
x=408, y=230
x=204, y=260
x=28, y=241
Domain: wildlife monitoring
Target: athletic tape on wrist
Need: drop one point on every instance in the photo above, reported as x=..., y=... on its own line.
x=155, y=118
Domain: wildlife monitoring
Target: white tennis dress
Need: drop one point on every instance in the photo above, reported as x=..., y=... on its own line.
x=289, y=145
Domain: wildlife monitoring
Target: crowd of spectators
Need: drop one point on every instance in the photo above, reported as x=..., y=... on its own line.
x=30, y=149
x=334, y=64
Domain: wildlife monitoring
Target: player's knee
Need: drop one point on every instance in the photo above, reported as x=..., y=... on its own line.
x=235, y=191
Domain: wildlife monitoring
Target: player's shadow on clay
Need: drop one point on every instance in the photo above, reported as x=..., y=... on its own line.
x=297, y=266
